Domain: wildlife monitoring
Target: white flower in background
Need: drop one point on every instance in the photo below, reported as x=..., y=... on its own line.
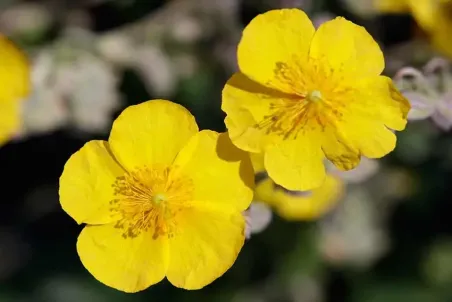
x=89, y=86
x=362, y=8
x=189, y=21
x=71, y=87
x=187, y=29
x=257, y=217
x=117, y=47
x=44, y=109
x=221, y=10
x=25, y=19
x=429, y=91
x=353, y=234
x=365, y=170
x=156, y=70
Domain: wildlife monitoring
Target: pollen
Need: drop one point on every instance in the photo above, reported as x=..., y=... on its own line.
x=148, y=199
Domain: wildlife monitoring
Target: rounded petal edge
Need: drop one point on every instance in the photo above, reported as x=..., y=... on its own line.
x=86, y=184
x=312, y=206
x=222, y=174
x=14, y=71
x=276, y=37
x=205, y=246
x=296, y=165
x=151, y=132
x=360, y=55
x=126, y=264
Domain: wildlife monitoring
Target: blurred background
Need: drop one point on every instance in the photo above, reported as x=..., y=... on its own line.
x=387, y=238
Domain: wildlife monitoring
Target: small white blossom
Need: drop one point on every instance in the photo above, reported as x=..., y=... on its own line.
x=257, y=218
x=90, y=88
x=429, y=91
x=353, y=234
x=156, y=70
x=25, y=19
x=70, y=87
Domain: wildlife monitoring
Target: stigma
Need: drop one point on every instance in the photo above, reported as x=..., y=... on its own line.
x=314, y=96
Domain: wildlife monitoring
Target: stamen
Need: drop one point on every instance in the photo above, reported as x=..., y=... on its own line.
x=290, y=117
x=316, y=99
x=147, y=199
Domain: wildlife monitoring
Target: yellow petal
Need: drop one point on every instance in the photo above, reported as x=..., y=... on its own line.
x=205, y=246
x=339, y=150
x=309, y=206
x=247, y=104
x=86, y=183
x=127, y=264
x=274, y=39
x=378, y=99
x=434, y=18
x=346, y=48
x=265, y=191
x=296, y=164
x=14, y=72
x=376, y=106
x=428, y=12
x=151, y=133
x=222, y=174
x=372, y=138
x=257, y=159
x=392, y=6
x=9, y=120
x=440, y=35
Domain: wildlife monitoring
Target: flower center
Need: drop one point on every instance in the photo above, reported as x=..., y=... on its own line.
x=148, y=199
x=158, y=198
x=312, y=99
x=314, y=96
x=289, y=117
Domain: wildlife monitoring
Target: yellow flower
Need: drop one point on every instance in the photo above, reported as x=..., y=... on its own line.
x=433, y=16
x=298, y=205
x=392, y=6
x=15, y=85
x=303, y=95
x=159, y=199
